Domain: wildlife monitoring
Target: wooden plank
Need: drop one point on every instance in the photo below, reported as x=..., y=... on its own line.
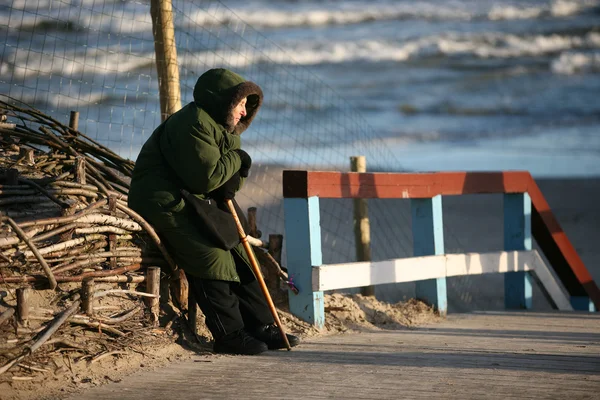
x=302, y=184
x=401, y=270
x=428, y=239
x=512, y=355
x=518, y=289
x=303, y=233
x=559, y=251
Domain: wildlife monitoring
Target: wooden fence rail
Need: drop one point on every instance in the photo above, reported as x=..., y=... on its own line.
x=525, y=212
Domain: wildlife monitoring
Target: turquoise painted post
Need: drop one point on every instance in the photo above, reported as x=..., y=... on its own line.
x=582, y=303
x=303, y=245
x=517, y=236
x=428, y=239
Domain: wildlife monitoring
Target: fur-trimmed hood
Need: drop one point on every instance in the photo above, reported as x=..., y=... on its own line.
x=218, y=91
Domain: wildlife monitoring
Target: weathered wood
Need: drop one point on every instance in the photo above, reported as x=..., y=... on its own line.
x=252, y=222
x=5, y=316
x=80, y=170
x=87, y=296
x=153, y=287
x=23, y=305
x=276, y=246
x=74, y=120
x=362, y=231
x=166, y=56
x=53, y=327
x=34, y=250
x=27, y=156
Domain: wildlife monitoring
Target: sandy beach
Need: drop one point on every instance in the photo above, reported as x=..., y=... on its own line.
x=472, y=223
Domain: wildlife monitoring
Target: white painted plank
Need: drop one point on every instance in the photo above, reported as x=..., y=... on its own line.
x=550, y=285
x=357, y=274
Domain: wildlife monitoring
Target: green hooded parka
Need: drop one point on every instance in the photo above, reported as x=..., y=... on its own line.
x=192, y=150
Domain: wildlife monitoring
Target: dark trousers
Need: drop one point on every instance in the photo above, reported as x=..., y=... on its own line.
x=231, y=306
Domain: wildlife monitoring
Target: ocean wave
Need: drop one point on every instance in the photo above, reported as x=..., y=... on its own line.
x=559, y=8
x=134, y=18
x=71, y=63
x=576, y=62
x=488, y=45
x=23, y=63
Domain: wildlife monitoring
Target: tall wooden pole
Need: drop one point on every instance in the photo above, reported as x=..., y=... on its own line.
x=166, y=57
x=362, y=230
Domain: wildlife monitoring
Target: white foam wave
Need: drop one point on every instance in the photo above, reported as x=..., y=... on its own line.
x=575, y=62
x=133, y=17
x=558, y=8
x=23, y=63
x=484, y=46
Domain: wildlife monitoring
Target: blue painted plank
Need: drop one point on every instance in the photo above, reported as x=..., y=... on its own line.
x=517, y=236
x=428, y=239
x=582, y=303
x=303, y=245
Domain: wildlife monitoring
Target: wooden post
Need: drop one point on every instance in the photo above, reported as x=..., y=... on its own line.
x=163, y=29
x=153, y=287
x=80, y=170
x=252, y=223
x=362, y=229
x=112, y=238
x=275, y=246
x=87, y=296
x=74, y=120
x=517, y=236
x=27, y=155
x=428, y=239
x=23, y=305
x=303, y=234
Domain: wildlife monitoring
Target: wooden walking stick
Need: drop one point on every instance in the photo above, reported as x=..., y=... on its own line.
x=257, y=272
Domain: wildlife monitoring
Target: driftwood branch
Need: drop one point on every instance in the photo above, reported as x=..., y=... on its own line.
x=42, y=339
x=35, y=251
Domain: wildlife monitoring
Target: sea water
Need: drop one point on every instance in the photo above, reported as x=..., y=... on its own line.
x=442, y=85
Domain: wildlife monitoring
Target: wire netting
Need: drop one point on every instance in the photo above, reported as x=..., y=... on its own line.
x=97, y=57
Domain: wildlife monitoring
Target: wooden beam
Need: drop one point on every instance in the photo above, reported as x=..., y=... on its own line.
x=380, y=185
x=348, y=275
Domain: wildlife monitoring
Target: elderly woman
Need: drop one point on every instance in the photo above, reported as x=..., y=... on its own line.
x=197, y=150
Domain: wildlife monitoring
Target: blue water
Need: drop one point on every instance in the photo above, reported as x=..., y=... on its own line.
x=453, y=85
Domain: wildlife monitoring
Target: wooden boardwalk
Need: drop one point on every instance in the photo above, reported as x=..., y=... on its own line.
x=469, y=356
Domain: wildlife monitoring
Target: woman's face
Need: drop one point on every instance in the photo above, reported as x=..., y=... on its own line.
x=239, y=111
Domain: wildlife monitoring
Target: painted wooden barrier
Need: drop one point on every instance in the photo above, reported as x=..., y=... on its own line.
x=525, y=212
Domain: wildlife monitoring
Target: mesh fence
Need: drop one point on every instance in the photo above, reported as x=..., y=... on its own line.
x=97, y=57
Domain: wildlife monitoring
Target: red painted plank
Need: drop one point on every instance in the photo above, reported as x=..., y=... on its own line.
x=400, y=185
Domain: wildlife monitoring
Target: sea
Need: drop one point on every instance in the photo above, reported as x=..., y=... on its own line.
x=431, y=85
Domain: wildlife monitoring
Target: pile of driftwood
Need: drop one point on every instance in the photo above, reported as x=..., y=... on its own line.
x=73, y=257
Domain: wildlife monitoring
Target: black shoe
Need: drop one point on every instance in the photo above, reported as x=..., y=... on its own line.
x=271, y=335
x=239, y=343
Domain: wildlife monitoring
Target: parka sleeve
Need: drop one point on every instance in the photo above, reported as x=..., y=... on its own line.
x=196, y=159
